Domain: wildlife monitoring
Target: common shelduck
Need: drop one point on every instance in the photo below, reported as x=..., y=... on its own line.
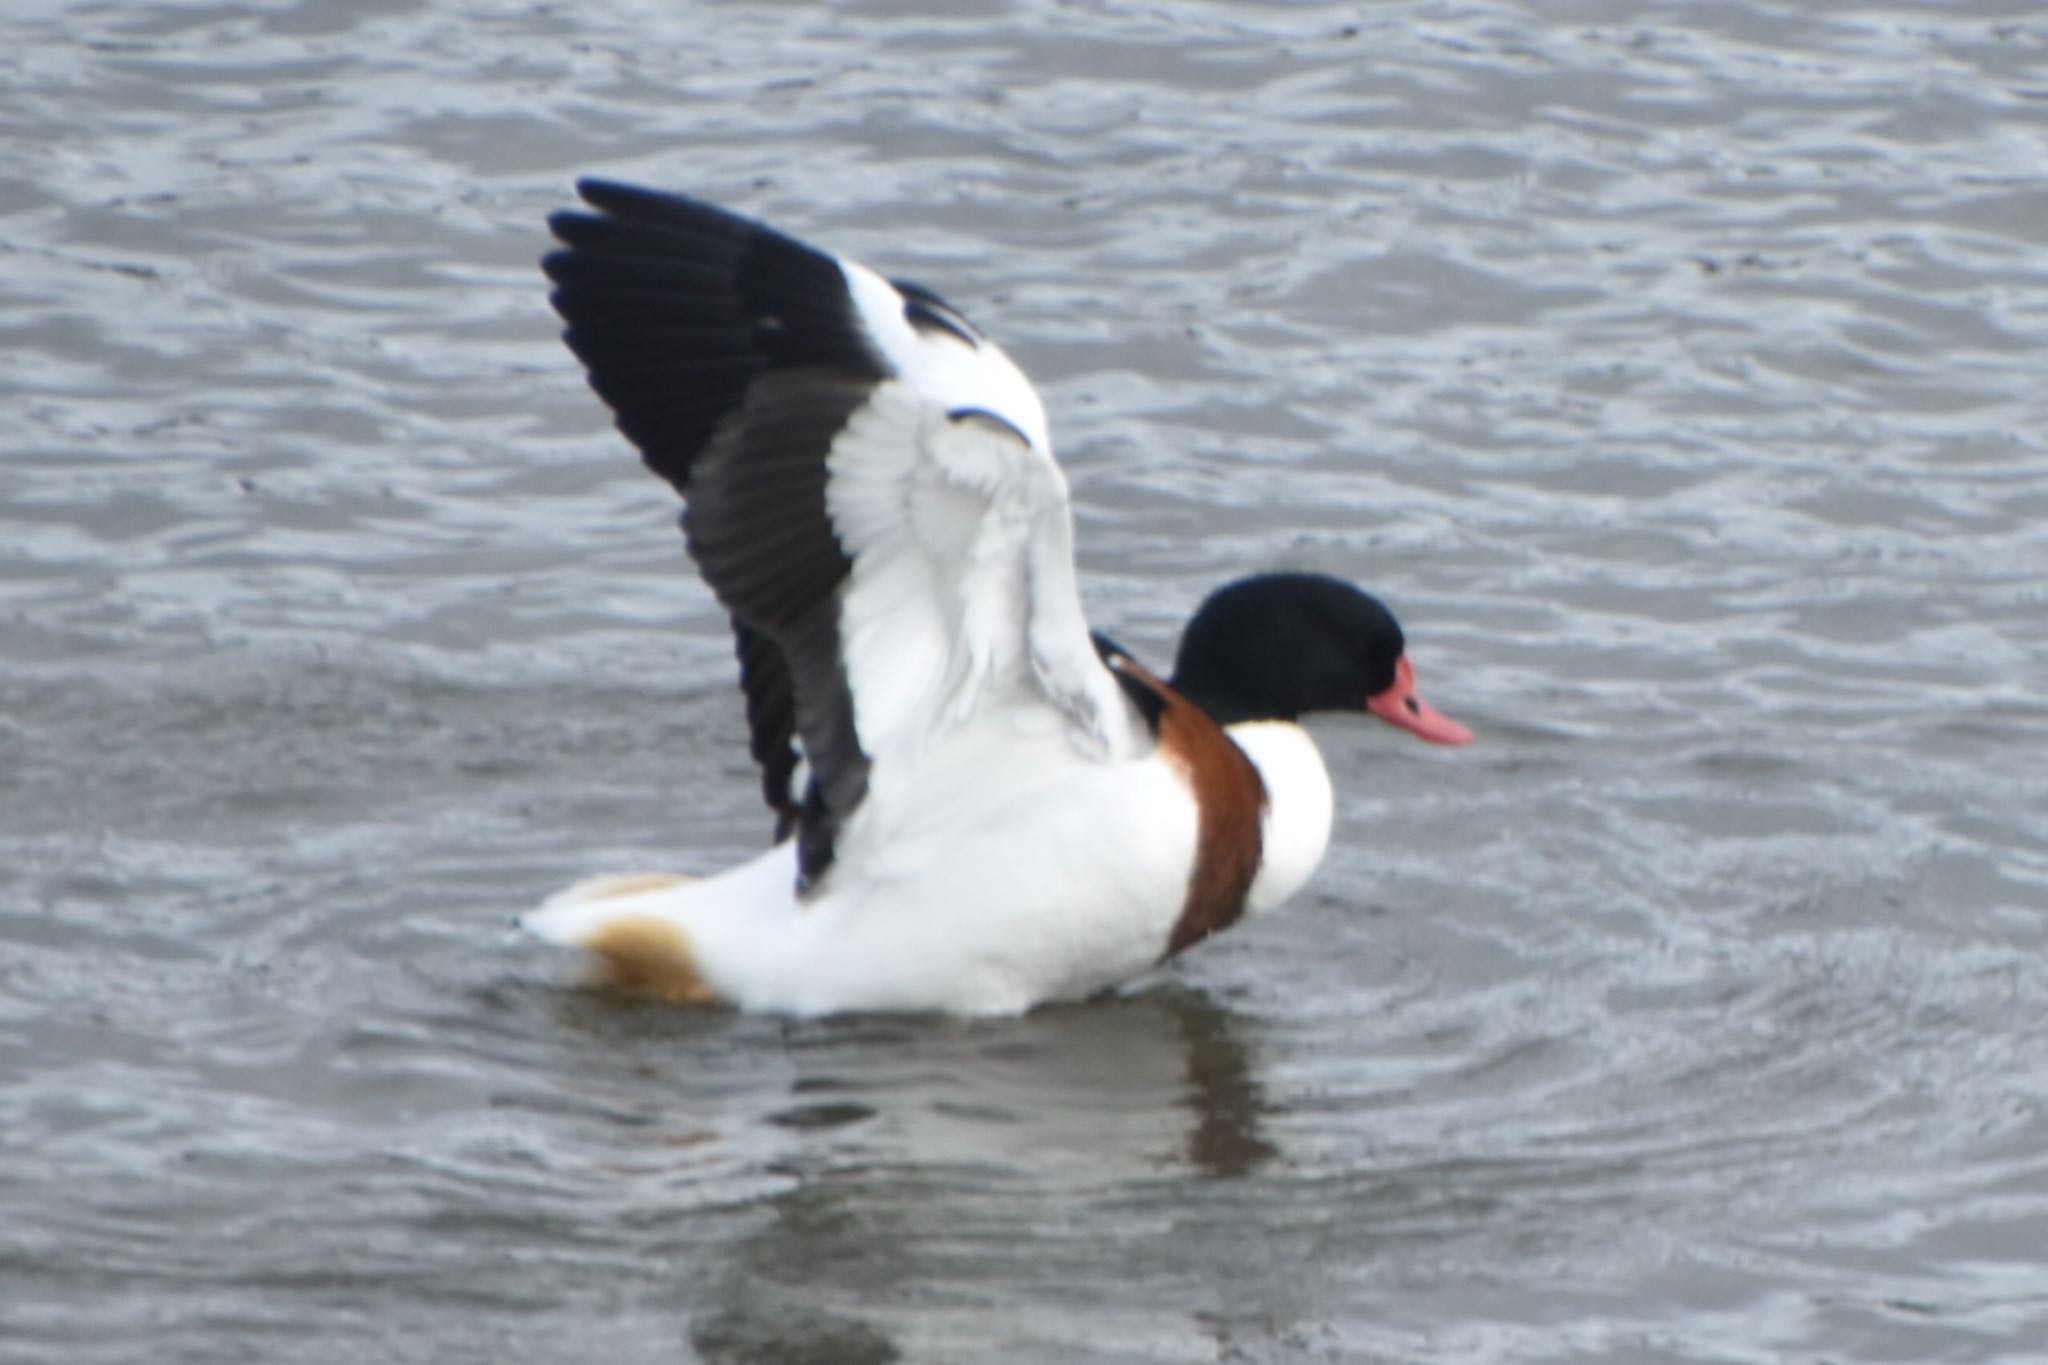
x=979, y=805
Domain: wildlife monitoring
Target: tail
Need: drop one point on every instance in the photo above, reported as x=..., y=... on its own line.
x=621, y=919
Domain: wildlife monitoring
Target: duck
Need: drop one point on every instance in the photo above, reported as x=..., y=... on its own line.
x=979, y=804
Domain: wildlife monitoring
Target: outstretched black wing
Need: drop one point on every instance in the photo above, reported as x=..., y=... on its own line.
x=869, y=491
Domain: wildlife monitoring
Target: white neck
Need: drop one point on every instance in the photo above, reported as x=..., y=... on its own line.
x=1299, y=807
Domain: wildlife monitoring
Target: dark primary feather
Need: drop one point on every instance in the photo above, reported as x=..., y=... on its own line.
x=732, y=356
x=771, y=722
x=676, y=307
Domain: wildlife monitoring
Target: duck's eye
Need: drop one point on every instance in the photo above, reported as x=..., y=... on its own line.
x=1414, y=706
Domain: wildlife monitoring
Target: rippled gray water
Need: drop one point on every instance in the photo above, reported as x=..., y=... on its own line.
x=1677, y=370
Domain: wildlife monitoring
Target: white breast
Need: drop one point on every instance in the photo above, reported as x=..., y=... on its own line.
x=1299, y=807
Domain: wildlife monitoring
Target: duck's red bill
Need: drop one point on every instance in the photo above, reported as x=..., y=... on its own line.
x=1398, y=705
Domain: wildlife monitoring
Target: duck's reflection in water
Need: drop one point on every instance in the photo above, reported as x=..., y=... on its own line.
x=1226, y=1105
x=924, y=1165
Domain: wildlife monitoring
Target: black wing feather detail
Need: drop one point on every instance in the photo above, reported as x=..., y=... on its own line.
x=732, y=356
x=771, y=722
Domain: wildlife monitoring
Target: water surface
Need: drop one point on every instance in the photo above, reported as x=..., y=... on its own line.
x=1674, y=370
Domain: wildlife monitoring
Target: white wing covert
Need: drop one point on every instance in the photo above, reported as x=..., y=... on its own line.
x=962, y=590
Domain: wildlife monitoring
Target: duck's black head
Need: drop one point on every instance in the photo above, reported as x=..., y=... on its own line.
x=1279, y=646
